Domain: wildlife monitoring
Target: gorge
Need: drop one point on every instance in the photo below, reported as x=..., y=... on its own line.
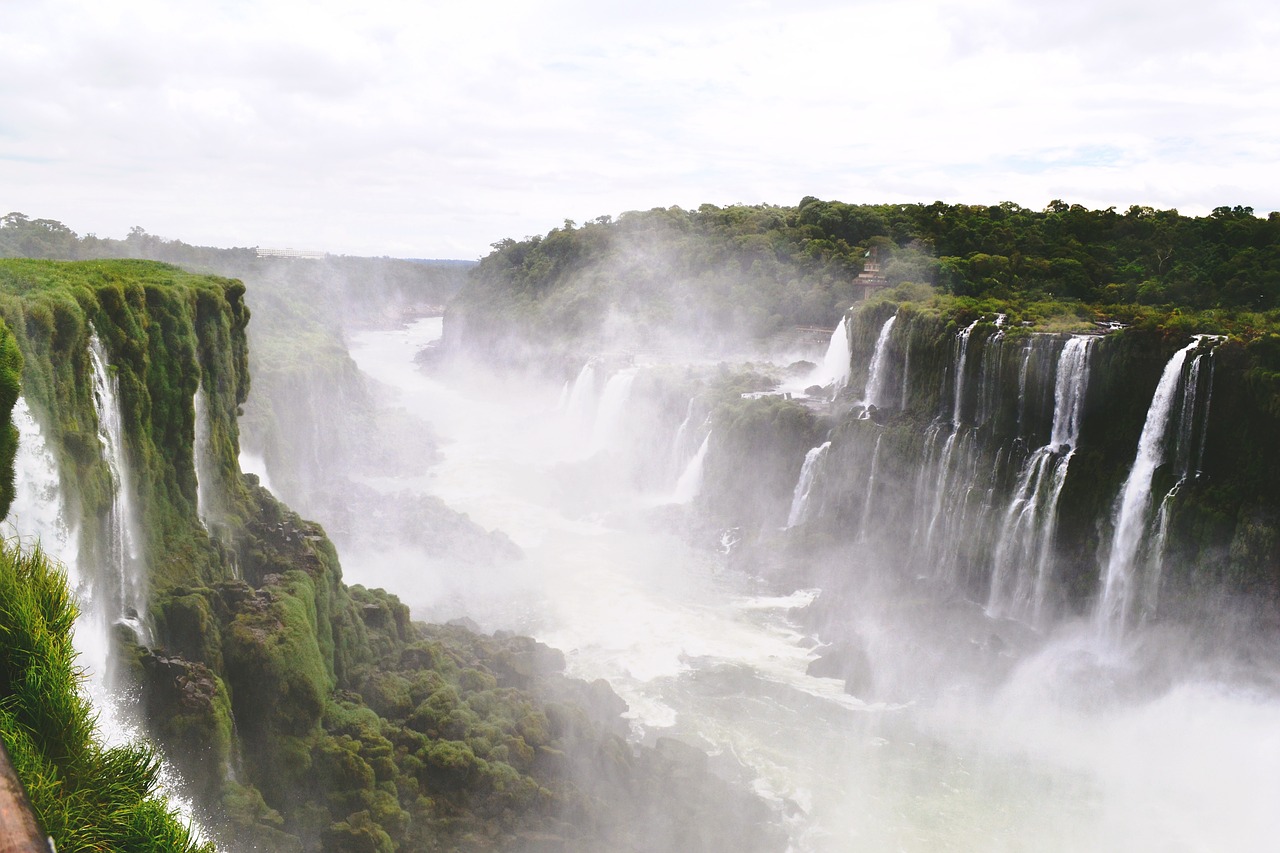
x=971, y=574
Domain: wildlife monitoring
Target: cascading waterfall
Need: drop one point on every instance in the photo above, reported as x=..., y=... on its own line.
x=678, y=451
x=906, y=373
x=126, y=598
x=957, y=385
x=871, y=396
x=868, y=500
x=38, y=514
x=1022, y=562
x=946, y=503
x=989, y=373
x=1121, y=587
x=582, y=397
x=201, y=451
x=690, y=482
x=610, y=419
x=1188, y=443
x=804, y=485
x=836, y=363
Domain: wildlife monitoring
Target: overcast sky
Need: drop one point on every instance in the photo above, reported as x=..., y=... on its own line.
x=432, y=129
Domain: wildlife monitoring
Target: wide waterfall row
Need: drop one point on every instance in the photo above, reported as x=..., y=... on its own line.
x=971, y=491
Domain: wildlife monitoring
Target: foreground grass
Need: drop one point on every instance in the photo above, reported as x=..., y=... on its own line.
x=87, y=797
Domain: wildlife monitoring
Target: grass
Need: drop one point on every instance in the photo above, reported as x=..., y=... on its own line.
x=86, y=796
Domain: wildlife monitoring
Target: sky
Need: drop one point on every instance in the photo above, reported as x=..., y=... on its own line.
x=433, y=129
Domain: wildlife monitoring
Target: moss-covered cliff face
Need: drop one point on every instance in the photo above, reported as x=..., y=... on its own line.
x=305, y=715
x=166, y=333
x=951, y=477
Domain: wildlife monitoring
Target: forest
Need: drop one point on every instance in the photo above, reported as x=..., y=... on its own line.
x=757, y=270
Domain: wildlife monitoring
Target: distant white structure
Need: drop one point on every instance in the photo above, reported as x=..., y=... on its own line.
x=290, y=253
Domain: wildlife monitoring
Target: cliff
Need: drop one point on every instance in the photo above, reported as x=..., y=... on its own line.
x=303, y=714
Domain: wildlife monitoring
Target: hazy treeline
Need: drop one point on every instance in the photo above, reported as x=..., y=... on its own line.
x=756, y=270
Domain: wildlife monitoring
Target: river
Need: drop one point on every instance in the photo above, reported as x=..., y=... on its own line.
x=1158, y=744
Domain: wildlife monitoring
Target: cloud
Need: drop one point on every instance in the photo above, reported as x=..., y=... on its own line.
x=404, y=128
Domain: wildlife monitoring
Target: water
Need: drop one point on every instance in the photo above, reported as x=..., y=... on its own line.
x=610, y=419
x=1120, y=586
x=1048, y=741
x=957, y=381
x=1023, y=559
x=871, y=396
x=804, y=485
x=690, y=482
x=202, y=454
x=41, y=514
x=837, y=362
x=121, y=593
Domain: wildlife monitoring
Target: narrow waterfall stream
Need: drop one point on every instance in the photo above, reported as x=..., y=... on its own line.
x=1063, y=744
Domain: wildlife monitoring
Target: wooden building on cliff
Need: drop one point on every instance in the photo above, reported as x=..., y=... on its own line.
x=871, y=279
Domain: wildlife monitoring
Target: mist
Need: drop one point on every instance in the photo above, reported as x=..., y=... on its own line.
x=836, y=660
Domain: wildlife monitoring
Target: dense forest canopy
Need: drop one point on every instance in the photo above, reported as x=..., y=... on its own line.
x=763, y=268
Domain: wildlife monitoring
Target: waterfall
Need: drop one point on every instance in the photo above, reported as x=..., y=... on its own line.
x=989, y=385
x=124, y=558
x=678, y=443
x=610, y=419
x=962, y=355
x=871, y=396
x=906, y=372
x=202, y=453
x=1027, y=352
x=871, y=488
x=1190, y=441
x=38, y=514
x=690, y=482
x=582, y=397
x=1119, y=584
x=804, y=485
x=837, y=362
x=1022, y=562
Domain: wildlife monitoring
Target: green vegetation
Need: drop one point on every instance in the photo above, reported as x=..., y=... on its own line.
x=86, y=796
x=304, y=715
x=167, y=332
x=723, y=273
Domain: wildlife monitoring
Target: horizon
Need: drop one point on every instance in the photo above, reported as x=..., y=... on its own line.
x=396, y=131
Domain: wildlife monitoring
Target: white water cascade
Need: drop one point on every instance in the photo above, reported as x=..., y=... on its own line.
x=804, y=485
x=124, y=591
x=1188, y=451
x=690, y=482
x=976, y=734
x=38, y=514
x=581, y=405
x=836, y=364
x=957, y=383
x=610, y=419
x=679, y=452
x=871, y=395
x=868, y=500
x=1121, y=586
x=202, y=454
x=1023, y=559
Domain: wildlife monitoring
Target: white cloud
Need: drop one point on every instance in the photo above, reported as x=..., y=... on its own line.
x=434, y=129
